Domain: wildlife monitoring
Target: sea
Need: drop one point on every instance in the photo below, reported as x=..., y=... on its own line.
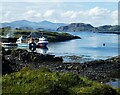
x=91, y=46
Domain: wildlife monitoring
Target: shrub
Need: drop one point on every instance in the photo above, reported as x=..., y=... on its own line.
x=45, y=82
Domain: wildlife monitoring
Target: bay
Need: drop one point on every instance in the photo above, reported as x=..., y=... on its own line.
x=90, y=47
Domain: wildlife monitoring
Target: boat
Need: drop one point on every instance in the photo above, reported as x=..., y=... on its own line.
x=24, y=42
x=42, y=50
x=42, y=43
x=8, y=41
x=9, y=44
x=21, y=43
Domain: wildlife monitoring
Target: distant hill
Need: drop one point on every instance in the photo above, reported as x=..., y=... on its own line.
x=46, y=25
x=24, y=24
x=108, y=28
x=76, y=27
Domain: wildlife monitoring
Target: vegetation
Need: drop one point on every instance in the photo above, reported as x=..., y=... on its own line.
x=4, y=31
x=51, y=36
x=55, y=36
x=45, y=82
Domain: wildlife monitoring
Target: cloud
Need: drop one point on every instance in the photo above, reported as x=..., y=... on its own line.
x=114, y=16
x=6, y=14
x=38, y=15
x=96, y=11
x=70, y=14
x=48, y=13
x=32, y=14
x=55, y=0
x=55, y=13
x=59, y=1
x=96, y=16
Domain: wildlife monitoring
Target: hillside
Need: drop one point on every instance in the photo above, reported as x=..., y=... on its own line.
x=50, y=26
x=51, y=36
x=45, y=82
x=76, y=27
x=73, y=27
x=24, y=24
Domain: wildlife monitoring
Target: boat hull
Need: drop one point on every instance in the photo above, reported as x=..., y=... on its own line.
x=23, y=45
x=41, y=45
x=9, y=44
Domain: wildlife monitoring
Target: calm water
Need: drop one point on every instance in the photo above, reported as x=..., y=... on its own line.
x=90, y=47
x=115, y=83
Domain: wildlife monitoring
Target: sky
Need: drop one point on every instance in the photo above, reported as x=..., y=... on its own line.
x=95, y=13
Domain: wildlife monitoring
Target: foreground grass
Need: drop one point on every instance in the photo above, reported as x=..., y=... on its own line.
x=45, y=82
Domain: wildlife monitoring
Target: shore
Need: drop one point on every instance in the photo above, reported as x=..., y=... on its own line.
x=98, y=70
x=51, y=36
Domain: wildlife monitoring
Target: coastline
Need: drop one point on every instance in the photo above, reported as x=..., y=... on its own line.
x=98, y=70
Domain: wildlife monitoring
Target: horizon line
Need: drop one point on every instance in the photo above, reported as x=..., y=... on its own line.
x=57, y=22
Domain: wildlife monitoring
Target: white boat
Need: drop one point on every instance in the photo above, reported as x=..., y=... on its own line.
x=42, y=50
x=20, y=43
x=23, y=45
x=42, y=42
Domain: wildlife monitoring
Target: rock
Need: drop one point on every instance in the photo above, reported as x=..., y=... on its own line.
x=70, y=67
x=9, y=67
x=99, y=70
x=76, y=68
x=59, y=67
x=76, y=27
x=22, y=58
x=102, y=69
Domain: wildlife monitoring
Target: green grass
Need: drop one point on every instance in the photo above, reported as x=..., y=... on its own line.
x=51, y=36
x=45, y=82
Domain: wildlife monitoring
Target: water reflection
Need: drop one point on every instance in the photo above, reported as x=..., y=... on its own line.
x=38, y=50
x=10, y=47
x=89, y=47
x=115, y=83
x=42, y=50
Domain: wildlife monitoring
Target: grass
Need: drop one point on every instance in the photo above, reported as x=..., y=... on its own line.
x=45, y=82
x=51, y=36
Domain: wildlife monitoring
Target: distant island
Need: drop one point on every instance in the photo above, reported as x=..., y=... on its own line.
x=25, y=24
x=50, y=26
x=76, y=27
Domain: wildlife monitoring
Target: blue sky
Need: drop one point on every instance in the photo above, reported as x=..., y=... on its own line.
x=95, y=13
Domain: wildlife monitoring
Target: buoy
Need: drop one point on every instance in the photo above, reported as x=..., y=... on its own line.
x=103, y=44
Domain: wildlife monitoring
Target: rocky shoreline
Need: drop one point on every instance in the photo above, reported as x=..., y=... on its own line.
x=98, y=70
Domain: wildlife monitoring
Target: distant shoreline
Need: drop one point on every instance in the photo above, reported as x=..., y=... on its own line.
x=110, y=32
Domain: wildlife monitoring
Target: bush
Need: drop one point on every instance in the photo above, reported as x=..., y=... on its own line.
x=118, y=91
x=45, y=82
